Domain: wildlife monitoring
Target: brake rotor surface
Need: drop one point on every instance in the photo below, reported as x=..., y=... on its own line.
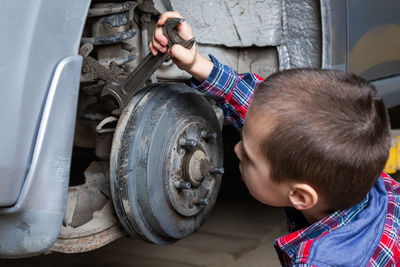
x=166, y=163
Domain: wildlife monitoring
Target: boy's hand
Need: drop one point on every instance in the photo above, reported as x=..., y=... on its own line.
x=183, y=58
x=188, y=60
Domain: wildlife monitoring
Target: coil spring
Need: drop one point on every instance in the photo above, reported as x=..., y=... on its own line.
x=111, y=27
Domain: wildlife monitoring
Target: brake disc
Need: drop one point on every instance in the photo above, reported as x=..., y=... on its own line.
x=166, y=163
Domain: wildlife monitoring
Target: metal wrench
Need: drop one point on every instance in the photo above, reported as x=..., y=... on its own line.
x=124, y=91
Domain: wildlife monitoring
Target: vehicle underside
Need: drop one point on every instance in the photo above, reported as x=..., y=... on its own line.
x=147, y=148
x=182, y=163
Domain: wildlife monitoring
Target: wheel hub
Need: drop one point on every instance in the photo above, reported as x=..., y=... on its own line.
x=191, y=184
x=166, y=163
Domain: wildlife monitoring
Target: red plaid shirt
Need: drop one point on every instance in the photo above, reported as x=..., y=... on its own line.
x=232, y=91
x=367, y=234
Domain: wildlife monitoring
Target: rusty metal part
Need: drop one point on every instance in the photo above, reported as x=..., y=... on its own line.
x=103, y=146
x=117, y=60
x=217, y=170
x=208, y=135
x=85, y=50
x=104, y=136
x=148, y=7
x=100, y=128
x=110, y=8
x=124, y=91
x=182, y=185
x=161, y=184
x=190, y=162
x=88, y=243
x=92, y=71
x=89, y=221
x=110, y=32
x=195, y=166
x=110, y=29
x=111, y=39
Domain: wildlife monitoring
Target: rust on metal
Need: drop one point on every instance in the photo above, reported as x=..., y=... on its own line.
x=89, y=220
x=87, y=243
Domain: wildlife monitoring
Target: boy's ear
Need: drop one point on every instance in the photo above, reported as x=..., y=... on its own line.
x=302, y=196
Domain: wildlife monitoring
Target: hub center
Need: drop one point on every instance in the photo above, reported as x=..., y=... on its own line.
x=195, y=167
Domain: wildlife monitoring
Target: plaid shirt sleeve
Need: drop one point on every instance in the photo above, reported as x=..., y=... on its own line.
x=232, y=91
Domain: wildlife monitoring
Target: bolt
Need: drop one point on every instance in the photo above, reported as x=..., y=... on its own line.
x=85, y=68
x=182, y=185
x=188, y=143
x=208, y=135
x=181, y=151
x=217, y=170
x=201, y=201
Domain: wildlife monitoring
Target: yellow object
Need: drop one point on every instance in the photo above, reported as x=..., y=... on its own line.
x=393, y=163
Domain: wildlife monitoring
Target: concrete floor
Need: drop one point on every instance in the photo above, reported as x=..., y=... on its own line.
x=237, y=233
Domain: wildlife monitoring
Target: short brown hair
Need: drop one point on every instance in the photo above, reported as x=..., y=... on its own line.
x=330, y=130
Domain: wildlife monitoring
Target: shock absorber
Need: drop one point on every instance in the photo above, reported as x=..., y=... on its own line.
x=107, y=47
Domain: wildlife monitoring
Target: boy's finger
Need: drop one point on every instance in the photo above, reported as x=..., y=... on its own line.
x=158, y=46
x=152, y=49
x=165, y=16
x=159, y=36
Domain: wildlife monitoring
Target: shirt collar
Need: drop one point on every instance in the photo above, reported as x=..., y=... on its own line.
x=291, y=243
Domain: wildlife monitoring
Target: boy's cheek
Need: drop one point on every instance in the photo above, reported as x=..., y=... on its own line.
x=242, y=172
x=246, y=175
x=241, y=168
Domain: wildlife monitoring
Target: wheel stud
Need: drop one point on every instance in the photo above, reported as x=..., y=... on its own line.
x=182, y=185
x=188, y=143
x=217, y=170
x=208, y=135
x=201, y=201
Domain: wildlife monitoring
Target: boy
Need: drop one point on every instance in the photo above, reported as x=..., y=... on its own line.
x=315, y=141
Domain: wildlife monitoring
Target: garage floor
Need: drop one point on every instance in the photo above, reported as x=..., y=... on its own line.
x=237, y=233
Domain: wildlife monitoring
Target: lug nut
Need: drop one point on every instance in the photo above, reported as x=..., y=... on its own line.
x=208, y=135
x=182, y=185
x=217, y=170
x=201, y=201
x=188, y=143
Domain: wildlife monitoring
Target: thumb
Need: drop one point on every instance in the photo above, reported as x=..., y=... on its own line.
x=182, y=56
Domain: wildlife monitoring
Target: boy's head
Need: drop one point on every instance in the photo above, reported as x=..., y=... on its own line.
x=320, y=129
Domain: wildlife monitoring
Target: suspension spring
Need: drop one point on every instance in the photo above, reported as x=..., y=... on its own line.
x=111, y=27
